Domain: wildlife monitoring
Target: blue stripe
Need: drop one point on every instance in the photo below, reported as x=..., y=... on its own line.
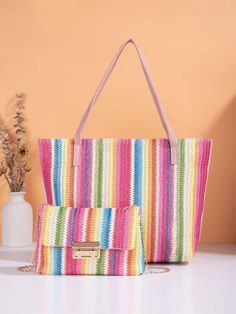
x=57, y=184
x=141, y=256
x=73, y=224
x=57, y=259
x=86, y=173
x=106, y=228
x=138, y=172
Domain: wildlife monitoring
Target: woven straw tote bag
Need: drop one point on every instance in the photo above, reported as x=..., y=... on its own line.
x=166, y=178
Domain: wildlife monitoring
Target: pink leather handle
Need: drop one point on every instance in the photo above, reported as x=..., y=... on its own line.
x=163, y=117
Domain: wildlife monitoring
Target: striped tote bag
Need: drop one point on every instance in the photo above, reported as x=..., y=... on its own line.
x=166, y=178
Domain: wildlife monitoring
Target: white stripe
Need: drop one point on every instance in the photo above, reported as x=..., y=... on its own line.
x=62, y=171
x=105, y=175
x=112, y=225
x=85, y=224
x=125, y=263
x=106, y=262
x=186, y=199
x=52, y=224
x=65, y=231
x=174, y=240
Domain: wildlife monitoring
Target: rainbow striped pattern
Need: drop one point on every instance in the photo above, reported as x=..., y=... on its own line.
x=124, y=172
x=118, y=231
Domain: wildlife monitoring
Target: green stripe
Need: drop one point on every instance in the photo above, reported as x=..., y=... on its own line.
x=181, y=198
x=58, y=226
x=99, y=172
x=99, y=266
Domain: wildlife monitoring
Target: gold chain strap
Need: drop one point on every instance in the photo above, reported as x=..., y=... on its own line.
x=153, y=269
x=31, y=268
x=26, y=268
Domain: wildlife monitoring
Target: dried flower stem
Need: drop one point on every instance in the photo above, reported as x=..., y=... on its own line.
x=5, y=176
x=15, y=150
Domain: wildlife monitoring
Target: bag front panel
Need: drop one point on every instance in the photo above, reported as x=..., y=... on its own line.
x=125, y=172
x=59, y=261
x=117, y=230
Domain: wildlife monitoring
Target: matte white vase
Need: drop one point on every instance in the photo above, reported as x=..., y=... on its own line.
x=17, y=221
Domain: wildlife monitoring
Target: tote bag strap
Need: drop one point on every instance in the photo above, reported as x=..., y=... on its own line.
x=165, y=122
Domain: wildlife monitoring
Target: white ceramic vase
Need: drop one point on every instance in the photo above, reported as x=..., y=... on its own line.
x=17, y=221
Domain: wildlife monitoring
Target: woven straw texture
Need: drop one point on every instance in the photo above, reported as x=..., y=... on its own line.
x=118, y=231
x=124, y=172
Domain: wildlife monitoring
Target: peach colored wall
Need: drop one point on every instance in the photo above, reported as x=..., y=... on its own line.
x=56, y=52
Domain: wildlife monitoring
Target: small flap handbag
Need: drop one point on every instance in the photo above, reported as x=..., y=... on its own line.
x=89, y=241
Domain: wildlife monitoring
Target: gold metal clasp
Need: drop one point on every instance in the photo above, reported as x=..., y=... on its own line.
x=86, y=250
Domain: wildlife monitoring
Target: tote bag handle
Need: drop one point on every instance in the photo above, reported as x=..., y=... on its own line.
x=165, y=122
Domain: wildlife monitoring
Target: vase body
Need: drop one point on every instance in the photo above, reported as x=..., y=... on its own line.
x=17, y=221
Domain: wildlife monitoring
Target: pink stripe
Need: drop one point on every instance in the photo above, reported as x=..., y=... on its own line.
x=204, y=154
x=78, y=266
x=162, y=211
x=38, y=233
x=125, y=239
x=118, y=262
x=89, y=174
x=77, y=235
x=121, y=263
x=128, y=172
x=198, y=182
x=171, y=211
x=73, y=266
x=121, y=227
x=80, y=184
x=45, y=156
x=126, y=228
x=118, y=173
x=117, y=225
x=155, y=233
x=164, y=204
x=124, y=172
x=79, y=224
x=68, y=260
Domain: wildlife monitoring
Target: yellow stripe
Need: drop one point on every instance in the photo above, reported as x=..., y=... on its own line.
x=96, y=222
x=86, y=266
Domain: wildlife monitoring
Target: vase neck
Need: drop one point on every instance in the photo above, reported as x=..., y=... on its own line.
x=16, y=196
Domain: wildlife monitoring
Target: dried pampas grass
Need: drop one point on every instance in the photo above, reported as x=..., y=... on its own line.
x=14, y=149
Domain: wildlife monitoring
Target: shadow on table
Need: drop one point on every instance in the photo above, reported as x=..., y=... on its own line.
x=12, y=271
x=16, y=256
x=223, y=249
x=219, y=222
